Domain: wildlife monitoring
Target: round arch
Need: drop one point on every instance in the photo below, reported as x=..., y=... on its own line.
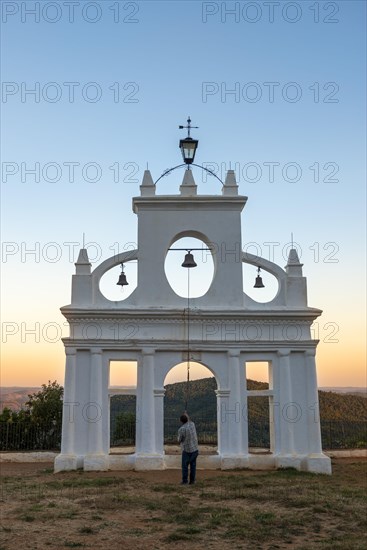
x=168, y=364
x=273, y=269
x=108, y=264
x=201, y=405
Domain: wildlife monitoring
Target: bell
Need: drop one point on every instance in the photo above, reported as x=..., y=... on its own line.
x=259, y=282
x=122, y=279
x=189, y=261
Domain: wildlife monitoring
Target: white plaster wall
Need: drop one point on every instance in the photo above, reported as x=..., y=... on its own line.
x=219, y=224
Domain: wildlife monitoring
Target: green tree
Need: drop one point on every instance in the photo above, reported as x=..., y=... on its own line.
x=45, y=406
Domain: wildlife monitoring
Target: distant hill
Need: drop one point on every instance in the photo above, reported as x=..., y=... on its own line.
x=335, y=404
x=203, y=403
x=14, y=397
x=350, y=390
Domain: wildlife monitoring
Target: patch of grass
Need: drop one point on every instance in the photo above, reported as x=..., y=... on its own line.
x=36, y=507
x=177, y=535
x=68, y=514
x=264, y=517
x=265, y=509
x=27, y=517
x=134, y=532
x=81, y=481
x=164, y=488
x=86, y=530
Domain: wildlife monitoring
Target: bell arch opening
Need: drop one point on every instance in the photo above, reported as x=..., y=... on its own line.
x=196, y=283
x=199, y=394
x=260, y=294
x=108, y=283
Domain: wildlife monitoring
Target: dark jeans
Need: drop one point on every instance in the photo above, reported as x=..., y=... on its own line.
x=189, y=459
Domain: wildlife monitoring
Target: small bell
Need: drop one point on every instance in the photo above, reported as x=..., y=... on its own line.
x=189, y=261
x=122, y=279
x=259, y=282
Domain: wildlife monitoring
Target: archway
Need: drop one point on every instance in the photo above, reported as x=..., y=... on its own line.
x=122, y=388
x=259, y=388
x=199, y=393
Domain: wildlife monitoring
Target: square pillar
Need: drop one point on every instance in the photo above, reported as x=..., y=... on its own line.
x=286, y=456
x=159, y=420
x=236, y=420
x=95, y=416
x=146, y=456
x=145, y=443
x=316, y=460
x=67, y=459
x=222, y=421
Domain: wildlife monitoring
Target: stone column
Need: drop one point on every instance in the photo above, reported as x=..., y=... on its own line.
x=315, y=460
x=284, y=426
x=68, y=420
x=159, y=420
x=94, y=415
x=222, y=408
x=313, y=413
x=67, y=459
x=234, y=414
x=146, y=439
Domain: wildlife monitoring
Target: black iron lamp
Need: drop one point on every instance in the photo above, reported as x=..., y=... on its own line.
x=259, y=282
x=188, y=148
x=188, y=145
x=122, y=279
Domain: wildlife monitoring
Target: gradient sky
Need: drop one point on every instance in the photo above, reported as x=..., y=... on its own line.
x=153, y=63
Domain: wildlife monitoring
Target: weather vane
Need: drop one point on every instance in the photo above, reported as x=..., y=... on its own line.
x=188, y=148
x=188, y=126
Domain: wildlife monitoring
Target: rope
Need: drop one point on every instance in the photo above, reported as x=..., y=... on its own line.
x=188, y=340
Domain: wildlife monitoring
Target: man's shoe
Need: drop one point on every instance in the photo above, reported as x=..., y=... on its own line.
x=192, y=483
x=184, y=483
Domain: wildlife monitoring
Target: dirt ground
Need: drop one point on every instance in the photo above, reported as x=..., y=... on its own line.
x=150, y=510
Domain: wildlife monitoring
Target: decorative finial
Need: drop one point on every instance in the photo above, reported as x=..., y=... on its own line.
x=188, y=126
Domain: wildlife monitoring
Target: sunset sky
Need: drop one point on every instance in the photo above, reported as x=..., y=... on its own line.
x=278, y=95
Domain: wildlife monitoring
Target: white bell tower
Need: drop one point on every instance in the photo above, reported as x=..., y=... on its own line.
x=228, y=330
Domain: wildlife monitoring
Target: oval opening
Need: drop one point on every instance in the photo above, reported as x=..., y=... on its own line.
x=261, y=295
x=195, y=280
x=114, y=292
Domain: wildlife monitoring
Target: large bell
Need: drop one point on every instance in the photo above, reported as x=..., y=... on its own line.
x=259, y=282
x=122, y=279
x=189, y=261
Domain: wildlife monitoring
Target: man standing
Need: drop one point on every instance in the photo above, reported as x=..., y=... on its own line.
x=188, y=439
